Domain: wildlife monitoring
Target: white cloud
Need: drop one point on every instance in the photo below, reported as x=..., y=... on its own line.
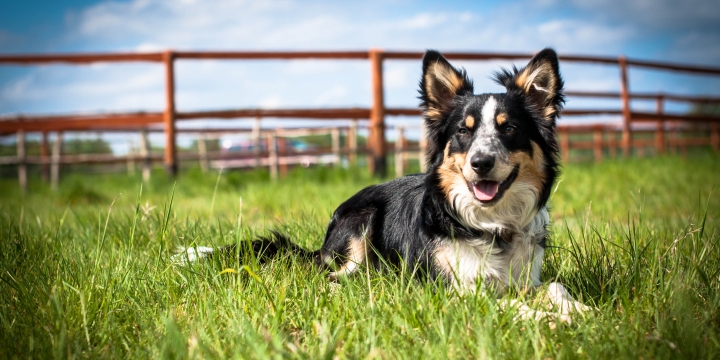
x=423, y=21
x=335, y=92
x=272, y=102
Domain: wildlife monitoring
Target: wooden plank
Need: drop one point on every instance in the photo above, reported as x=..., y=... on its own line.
x=86, y=58
x=78, y=122
x=653, y=117
x=581, y=112
x=675, y=67
x=453, y=55
x=269, y=55
x=587, y=128
x=566, y=112
x=319, y=114
x=403, y=112
x=644, y=96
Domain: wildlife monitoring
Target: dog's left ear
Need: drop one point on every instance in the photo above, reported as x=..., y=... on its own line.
x=439, y=86
x=540, y=83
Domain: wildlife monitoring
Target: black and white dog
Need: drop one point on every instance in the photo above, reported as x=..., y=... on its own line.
x=479, y=214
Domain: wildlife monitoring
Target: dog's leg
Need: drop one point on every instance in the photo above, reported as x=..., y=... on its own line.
x=357, y=252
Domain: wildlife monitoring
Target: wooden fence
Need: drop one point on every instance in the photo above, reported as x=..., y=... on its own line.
x=604, y=136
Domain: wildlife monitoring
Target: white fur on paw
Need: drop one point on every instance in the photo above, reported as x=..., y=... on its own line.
x=562, y=305
x=524, y=312
x=560, y=298
x=191, y=255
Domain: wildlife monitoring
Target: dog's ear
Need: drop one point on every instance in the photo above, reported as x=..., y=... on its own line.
x=440, y=84
x=540, y=83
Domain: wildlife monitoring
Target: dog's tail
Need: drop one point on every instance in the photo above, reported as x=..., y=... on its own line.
x=263, y=249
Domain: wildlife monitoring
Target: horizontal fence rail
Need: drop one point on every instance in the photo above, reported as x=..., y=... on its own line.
x=653, y=129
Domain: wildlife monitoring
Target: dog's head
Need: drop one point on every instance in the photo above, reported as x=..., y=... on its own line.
x=493, y=156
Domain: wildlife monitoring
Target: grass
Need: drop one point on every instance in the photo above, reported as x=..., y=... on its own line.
x=85, y=272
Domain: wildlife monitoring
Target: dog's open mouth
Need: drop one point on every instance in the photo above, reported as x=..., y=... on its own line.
x=488, y=192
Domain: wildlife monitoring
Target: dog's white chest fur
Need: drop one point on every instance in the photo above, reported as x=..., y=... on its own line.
x=467, y=261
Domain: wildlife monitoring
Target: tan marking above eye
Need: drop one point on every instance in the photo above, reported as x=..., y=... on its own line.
x=501, y=118
x=469, y=122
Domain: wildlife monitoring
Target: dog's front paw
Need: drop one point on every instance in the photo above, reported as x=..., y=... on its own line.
x=189, y=255
x=560, y=299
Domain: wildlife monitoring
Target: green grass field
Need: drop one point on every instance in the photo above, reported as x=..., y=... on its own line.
x=85, y=272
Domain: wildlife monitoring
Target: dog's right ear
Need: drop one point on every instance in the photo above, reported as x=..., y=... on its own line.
x=440, y=84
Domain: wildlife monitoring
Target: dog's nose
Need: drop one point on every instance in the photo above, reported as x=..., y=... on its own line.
x=482, y=164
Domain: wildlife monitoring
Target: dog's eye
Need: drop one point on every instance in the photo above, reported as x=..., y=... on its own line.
x=509, y=129
x=462, y=131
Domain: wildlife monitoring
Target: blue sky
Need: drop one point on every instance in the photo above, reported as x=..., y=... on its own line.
x=668, y=30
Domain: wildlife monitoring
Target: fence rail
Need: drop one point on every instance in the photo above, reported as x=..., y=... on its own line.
x=605, y=136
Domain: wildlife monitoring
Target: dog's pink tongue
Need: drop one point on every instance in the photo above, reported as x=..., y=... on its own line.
x=485, y=190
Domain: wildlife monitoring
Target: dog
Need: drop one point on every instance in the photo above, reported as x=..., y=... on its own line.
x=478, y=217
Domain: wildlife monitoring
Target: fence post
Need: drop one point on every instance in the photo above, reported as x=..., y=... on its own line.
x=145, y=155
x=44, y=157
x=130, y=159
x=624, y=94
x=22, y=160
x=273, y=156
x=55, y=160
x=171, y=166
x=282, y=153
x=335, y=139
x=597, y=144
x=612, y=142
x=376, y=138
x=352, y=141
x=565, y=145
x=399, y=151
x=202, y=152
x=256, y=140
x=715, y=136
x=660, y=132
